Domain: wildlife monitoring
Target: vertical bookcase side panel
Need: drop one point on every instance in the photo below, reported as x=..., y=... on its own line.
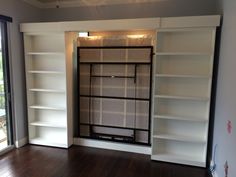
x=155, y=57
x=70, y=43
x=213, y=37
x=27, y=47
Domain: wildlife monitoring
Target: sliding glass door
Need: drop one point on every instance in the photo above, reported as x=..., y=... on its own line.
x=5, y=106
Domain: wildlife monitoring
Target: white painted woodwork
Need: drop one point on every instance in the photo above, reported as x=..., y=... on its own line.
x=49, y=100
x=123, y=24
x=182, y=92
x=182, y=78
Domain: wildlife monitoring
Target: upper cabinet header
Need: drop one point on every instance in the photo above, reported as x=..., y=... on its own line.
x=123, y=24
x=188, y=22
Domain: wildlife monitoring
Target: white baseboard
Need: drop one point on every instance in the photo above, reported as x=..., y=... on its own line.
x=20, y=143
x=113, y=146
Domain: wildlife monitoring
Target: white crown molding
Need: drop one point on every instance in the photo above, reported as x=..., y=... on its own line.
x=83, y=3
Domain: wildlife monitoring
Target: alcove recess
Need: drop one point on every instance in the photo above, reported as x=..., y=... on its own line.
x=114, y=84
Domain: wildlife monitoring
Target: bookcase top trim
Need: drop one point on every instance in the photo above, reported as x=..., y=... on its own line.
x=122, y=24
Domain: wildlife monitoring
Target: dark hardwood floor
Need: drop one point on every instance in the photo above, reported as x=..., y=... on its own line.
x=37, y=161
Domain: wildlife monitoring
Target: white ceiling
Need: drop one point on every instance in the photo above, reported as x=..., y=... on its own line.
x=78, y=3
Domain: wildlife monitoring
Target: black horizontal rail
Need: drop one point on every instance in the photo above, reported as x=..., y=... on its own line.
x=117, y=127
x=118, y=98
x=114, y=47
x=129, y=77
x=112, y=135
x=115, y=63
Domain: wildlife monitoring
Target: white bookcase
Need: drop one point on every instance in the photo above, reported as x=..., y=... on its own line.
x=48, y=95
x=181, y=95
x=182, y=79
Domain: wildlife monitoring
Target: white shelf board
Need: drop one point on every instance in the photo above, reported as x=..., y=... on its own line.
x=181, y=118
x=183, y=76
x=184, y=53
x=45, y=72
x=179, y=138
x=47, y=90
x=41, y=141
x=48, y=124
x=180, y=159
x=182, y=97
x=47, y=107
x=45, y=53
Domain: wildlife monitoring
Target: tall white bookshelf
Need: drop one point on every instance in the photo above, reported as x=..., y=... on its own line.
x=181, y=95
x=46, y=66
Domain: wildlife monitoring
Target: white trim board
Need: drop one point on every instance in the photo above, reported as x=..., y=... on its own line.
x=91, y=25
x=83, y=3
x=20, y=143
x=113, y=146
x=122, y=24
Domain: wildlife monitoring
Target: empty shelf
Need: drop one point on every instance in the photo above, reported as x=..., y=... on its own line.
x=179, y=138
x=173, y=158
x=45, y=53
x=183, y=118
x=48, y=124
x=182, y=53
x=47, y=90
x=183, y=76
x=182, y=97
x=47, y=107
x=45, y=72
x=42, y=141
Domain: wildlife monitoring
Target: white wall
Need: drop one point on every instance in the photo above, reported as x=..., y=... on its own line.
x=20, y=12
x=226, y=97
x=134, y=10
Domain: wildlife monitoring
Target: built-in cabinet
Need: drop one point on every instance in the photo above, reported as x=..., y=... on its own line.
x=49, y=120
x=182, y=94
x=182, y=74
